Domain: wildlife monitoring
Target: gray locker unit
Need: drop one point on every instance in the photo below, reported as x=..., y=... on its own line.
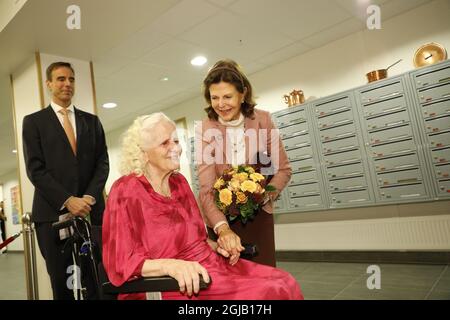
x=431, y=93
x=305, y=191
x=392, y=140
x=195, y=184
x=342, y=153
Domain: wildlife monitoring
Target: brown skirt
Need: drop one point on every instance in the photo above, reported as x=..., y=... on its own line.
x=260, y=232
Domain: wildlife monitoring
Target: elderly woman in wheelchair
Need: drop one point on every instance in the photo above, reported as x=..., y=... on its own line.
x=152, y=227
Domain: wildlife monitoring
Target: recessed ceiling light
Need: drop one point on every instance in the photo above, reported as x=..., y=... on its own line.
x=164, y=79
x=199, y=61
x=14, y=151
x=110, y=105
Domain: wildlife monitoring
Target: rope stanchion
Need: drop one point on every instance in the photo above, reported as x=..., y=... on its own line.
x=30, y=258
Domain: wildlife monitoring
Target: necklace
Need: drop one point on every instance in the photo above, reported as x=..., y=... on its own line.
x=159, y=190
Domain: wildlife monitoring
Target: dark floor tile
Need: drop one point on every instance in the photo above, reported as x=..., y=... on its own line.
x=294, y=267
x=356, y=292
x=439, y=295
x=321, y=288
x=443, y=285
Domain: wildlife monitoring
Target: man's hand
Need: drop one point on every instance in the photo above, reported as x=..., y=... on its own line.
x=78, y=206
x=89, y=199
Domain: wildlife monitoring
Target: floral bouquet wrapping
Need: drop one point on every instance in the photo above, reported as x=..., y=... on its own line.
x=240, y=192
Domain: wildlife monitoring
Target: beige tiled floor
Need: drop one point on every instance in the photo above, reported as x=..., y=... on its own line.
x=348, y=281
x=319, y=281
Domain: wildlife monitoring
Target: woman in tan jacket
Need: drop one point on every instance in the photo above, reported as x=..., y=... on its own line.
x=236, y=133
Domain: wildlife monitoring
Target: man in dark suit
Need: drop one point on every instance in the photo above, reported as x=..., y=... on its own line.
x=67, y=162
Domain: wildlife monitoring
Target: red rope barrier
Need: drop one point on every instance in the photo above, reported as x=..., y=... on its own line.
x=9, y=240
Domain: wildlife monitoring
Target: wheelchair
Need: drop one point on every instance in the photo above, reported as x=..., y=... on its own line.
x=86, y=245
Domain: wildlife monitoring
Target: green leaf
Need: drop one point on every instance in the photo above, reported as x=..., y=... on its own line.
x=270, y=188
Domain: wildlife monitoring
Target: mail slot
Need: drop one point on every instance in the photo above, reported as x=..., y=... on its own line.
x=393, y=149
x=303, y=177
x=441, y=155
x=294, y=130
x=348, y=184
x=304, y=190
x=436, y=93
x=302, y=152
x=444, y=188
x=399, y=177
x=279, y=204
x=384, y=107
x=349, y=157
x=433, y=77
x=436, y=109
x=333, y=106
x=386, y=122
x=437, y=125
x=359, y=197
x=311, y=202
x=338, y=132
x=303, y=165
x=297, y=142
x=439, y=140
x=290, y=118
x=336, y=120
x=403, y=192
x=397, y=163
x=345, y=171
x=382, y=92
x=442, y=171
x=390, y=135
x=340, y=145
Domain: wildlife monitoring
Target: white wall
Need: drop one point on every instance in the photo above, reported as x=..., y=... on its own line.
x=8, y=181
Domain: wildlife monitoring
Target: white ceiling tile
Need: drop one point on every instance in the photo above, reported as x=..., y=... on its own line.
x=240, y=40
x=222, y=3
x=184, y=16
x=284, y=53
x=108, y=64
x=338, y=31
x=294, y=18
x=139, y=44
x=395, y=7
x=174, y=55
x=358, y=8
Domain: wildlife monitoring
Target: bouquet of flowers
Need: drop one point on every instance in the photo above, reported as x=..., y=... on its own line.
x=240, y=192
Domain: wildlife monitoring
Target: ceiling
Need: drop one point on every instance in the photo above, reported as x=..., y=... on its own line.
x=135, y=43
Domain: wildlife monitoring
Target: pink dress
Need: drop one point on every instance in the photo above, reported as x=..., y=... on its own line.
x=140, y=224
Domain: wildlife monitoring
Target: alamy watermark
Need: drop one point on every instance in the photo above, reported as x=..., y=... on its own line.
x=73, y=21
x=374, y=280
x=374, y=17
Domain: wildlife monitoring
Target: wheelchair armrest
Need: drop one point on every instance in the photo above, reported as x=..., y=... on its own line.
x=149, y=284
x=250, y=251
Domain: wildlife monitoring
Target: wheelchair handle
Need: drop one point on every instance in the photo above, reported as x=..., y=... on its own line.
x=67, y=223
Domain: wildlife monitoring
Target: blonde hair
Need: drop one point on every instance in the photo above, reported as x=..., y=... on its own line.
x=136, y=140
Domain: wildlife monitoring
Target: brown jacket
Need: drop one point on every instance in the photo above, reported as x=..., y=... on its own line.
x=217, y=140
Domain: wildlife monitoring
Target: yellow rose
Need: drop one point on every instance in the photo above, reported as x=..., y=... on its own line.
x=235, y=184
x=248, y=186
x=241, y=197
x=242, y=176
x=225, y=196
x=250, y=170
x=256, y=177
x=219, y=184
